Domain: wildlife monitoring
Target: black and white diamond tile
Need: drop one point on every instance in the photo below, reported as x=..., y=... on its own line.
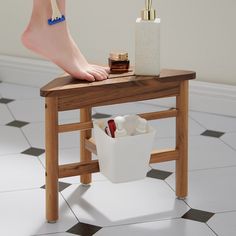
x=215, y=122
x=174, y=227
x=198, y=215
x=15, y=91
x=146, y=207
x=25, y=209
x=230, y=140
x=5, y=115
x=6, y=100
x=12, y=140
x=83, y=229
x=19, y=172
x=223, y=223
x=158, y=174
x=166, y=127
x=61, y=186
x=35, y=133
x=213, y=134
x=17, y=123
x=204, y=152
x=34, y=151
x=211, y=190
x=106, y=204
x=30, y=110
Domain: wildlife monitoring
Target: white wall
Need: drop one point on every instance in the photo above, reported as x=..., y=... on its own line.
x=196, y=34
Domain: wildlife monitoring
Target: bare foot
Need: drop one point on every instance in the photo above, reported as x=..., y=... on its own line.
x=56, y=44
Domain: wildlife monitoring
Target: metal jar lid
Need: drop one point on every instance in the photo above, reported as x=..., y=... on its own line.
x=123, y=56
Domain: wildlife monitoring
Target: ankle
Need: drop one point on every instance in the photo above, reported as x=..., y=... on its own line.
x=42, y=11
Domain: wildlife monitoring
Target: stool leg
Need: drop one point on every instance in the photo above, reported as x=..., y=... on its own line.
x=51, y=134
x=182, y=141
x=85, y=155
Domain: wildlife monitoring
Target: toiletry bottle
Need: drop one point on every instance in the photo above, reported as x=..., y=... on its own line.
x=141, y=126
x=147, y=42
x=111, y=128
x=120, y=130
x=119, y=62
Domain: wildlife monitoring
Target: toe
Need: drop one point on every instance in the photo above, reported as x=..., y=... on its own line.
x=103, y=68
x=97, y=75
x=85, y=76
x=101, y=71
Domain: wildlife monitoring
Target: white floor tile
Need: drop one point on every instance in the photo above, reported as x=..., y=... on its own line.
x=223, y=223
x=207, y=152
x=23, y=213
x=167, y=127
x=211, y=190
x=215, y=122
x=12, y=140
x=5, y=116
x=107, y=204
x=20, y=172
x=15, y=91
x=28, y=110
x=164, y=102
x=35, y=133
x=204, y=153
x=177, y=227
x=230, y=139
x=33, y=111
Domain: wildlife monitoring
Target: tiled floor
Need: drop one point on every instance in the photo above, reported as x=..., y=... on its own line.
x=140, y=208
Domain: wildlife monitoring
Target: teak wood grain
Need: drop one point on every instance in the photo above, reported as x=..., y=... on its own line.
x=66, y=85
x=118, y=93
x=85, y=155
x=88, y=167
x=51, y=137
x=89, y=124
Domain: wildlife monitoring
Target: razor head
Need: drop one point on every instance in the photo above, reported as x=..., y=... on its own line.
x=58, y=20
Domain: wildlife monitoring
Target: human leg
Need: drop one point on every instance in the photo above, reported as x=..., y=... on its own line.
x=56, y=44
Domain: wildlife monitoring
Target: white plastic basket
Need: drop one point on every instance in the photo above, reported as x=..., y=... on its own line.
x=123, y=159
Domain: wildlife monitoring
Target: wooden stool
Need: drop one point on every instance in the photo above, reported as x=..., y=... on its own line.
x=66, y=93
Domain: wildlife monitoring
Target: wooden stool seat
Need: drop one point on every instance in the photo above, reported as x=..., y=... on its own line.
x=66, y=93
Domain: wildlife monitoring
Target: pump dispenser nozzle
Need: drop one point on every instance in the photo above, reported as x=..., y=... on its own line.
x=148, y=13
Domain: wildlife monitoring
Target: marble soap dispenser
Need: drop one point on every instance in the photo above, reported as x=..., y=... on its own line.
x=147, y=42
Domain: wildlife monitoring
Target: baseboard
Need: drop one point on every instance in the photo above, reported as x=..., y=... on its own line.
x=204, y=97
x=213, y=98
x=26, y=71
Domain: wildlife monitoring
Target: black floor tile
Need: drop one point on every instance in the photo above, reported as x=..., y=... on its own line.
x=61, y=186
x=101, y=116
x=6, y=100
x=198, y=215
x=17, y=123
x=212, y=133
x=158, y=174
x=83, y=229
x=34, y=151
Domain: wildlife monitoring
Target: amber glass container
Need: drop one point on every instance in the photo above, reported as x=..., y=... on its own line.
x=118, y=62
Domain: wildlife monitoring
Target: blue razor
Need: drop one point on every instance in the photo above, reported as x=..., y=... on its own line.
x=57, y=20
